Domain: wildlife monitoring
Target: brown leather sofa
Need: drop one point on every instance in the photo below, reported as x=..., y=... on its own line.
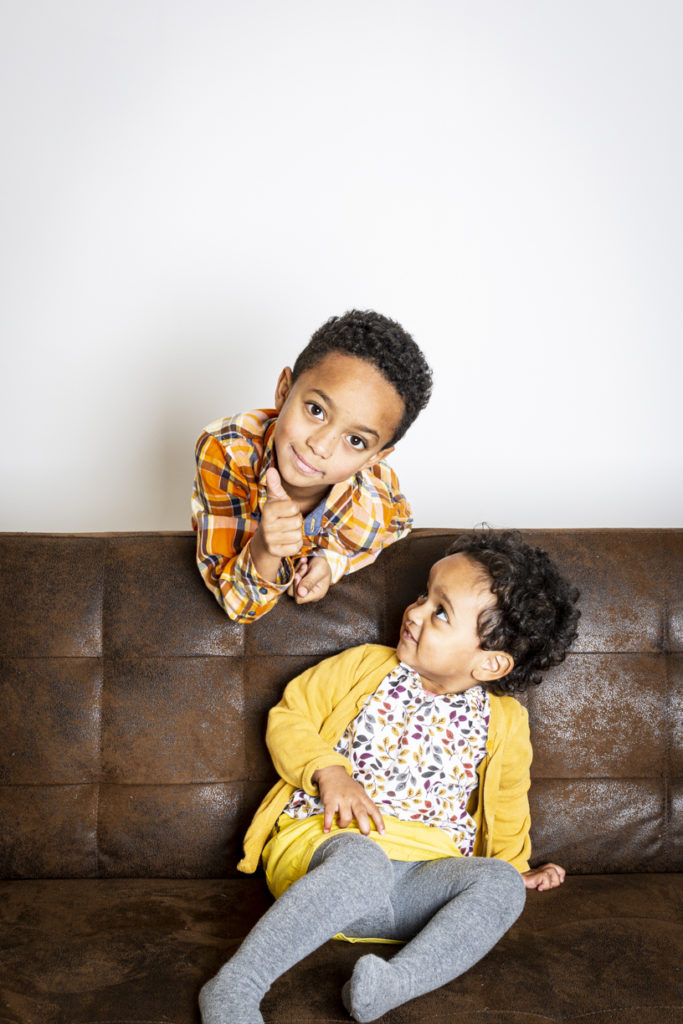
x=132, y=715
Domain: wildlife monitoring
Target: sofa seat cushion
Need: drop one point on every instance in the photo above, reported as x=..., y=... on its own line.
x=116, y=950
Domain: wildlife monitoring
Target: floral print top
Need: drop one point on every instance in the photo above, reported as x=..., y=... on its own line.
x=416, y=754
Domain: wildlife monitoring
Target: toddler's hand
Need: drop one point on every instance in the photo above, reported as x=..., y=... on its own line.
x=547, y=876
x=312, y=579
x=280, y=532
x=343, y=796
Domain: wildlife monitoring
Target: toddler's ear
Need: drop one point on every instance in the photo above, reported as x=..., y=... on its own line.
x=494, y=665
x=283, y=387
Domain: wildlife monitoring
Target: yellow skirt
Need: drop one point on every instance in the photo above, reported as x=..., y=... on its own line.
x=293, y=842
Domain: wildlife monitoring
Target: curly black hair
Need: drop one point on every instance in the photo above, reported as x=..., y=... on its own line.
x=381, y=342
x=535, y=617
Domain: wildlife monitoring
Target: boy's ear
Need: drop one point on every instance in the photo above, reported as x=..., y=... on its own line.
x=378, y=456
x=283, y=387
x=494, y=665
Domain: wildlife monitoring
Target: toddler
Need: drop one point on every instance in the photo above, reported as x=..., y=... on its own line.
x=401, y=813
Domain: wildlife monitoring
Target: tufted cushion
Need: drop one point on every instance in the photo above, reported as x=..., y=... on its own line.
x=133, y=710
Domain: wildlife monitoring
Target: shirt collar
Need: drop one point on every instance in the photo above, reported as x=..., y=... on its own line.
x=476, y=697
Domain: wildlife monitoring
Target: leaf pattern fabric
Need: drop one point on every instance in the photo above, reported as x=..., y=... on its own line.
x=416, y=754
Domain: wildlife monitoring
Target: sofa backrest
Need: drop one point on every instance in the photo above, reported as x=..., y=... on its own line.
x=132, y=710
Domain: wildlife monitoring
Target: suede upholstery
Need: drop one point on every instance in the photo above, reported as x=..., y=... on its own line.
x=132, y=715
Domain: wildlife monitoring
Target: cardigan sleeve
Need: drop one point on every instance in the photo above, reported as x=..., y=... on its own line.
x=294, y=728
x=508, y=837
x=501, y=803
x=303, y=728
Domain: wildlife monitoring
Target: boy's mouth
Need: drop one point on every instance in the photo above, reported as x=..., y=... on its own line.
x=302, y=465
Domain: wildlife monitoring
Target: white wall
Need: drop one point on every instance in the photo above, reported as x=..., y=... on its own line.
x=188, y=189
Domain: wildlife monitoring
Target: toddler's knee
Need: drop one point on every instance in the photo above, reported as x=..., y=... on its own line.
x=367, y=861
x=509, y=884
x=373, y=861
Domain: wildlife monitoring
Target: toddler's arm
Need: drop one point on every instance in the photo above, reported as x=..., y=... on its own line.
x=343, y=796
x=297, y=735
x=510, y=840
x=546, y=876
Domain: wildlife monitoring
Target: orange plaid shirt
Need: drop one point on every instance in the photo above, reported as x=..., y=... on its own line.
x=359, y=517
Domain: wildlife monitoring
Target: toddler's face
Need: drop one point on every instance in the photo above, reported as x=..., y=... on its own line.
x=337, y=418
x=439, y=637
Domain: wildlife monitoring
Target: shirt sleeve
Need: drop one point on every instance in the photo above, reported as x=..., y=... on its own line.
x=226, y=515
x=379, y=515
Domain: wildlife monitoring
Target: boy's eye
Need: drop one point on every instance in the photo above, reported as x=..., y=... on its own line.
x=315, y=410
x=356, y=442
x=441, y=613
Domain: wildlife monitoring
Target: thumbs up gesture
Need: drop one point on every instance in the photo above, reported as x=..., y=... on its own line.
x=280, y=532
x=275, y=490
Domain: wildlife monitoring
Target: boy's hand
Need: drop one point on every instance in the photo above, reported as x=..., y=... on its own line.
x=343, y=796
x=547, y=876
x=312, y=579
x=280, y=532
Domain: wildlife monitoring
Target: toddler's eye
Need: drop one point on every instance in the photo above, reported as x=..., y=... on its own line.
x=441, y=613
x=315, y=410
x=356, y=442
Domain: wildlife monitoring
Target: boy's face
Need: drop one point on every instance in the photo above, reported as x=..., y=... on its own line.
x=439, y=637
x=335, y=419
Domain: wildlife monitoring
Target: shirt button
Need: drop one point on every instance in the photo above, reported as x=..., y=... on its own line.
x=251, y=613
x=262, y=590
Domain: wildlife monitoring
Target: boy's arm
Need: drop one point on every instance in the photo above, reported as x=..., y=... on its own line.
x=226, y=516
x=378, y=516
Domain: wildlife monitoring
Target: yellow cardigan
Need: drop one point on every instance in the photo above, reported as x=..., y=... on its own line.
x=316, y=708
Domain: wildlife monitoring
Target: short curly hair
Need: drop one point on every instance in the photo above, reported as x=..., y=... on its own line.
x=381, y=342
x=535, y=617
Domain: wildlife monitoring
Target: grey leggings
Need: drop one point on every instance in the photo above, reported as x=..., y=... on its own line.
x=450, y=912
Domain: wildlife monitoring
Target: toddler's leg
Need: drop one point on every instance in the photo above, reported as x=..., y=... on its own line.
x=349, y=875
x=457, y=909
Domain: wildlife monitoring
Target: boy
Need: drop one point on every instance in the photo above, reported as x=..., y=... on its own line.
x=421, y=748
x=292, y=498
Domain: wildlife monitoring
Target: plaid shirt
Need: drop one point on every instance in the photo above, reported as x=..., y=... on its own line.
x=357, y=519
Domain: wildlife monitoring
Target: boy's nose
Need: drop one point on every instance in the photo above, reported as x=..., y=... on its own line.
x=321, y=443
